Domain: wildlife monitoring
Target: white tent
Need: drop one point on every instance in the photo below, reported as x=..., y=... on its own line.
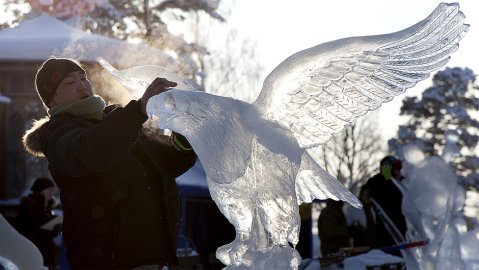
x=44, y=36
x=4, y=99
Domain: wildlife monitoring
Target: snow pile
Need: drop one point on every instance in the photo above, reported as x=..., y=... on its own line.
x=5, y=100
x=372, y=258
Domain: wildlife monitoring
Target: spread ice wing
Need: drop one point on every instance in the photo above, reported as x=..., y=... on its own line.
x=313, y=182
x=316, y=92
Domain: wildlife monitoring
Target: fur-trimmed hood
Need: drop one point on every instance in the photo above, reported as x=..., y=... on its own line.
x=31, y=138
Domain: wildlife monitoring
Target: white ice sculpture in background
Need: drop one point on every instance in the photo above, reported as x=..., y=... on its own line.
x=256, y=155
x=432, y=204
x=16, y=251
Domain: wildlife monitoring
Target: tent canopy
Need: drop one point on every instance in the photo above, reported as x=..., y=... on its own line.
x=193, y=182
x=44, y=36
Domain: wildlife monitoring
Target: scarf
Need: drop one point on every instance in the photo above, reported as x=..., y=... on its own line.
x=90, y=108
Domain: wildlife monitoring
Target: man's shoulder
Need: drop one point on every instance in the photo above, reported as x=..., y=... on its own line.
x=375, y=179
x=108, y=109
x=45, y=129
x=27, y=199
x=58, y=125
x=30, y=201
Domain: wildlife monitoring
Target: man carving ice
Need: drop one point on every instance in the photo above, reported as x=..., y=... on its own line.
x=116, y=181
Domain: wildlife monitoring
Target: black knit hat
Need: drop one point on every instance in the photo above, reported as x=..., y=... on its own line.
x=393, y=161
x=51, y=73
x=41, y=184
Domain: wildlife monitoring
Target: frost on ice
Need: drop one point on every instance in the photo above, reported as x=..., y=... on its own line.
x=256, y=155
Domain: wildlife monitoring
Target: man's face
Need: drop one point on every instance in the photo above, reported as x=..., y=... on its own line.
x=48, y=193
x=74, y=87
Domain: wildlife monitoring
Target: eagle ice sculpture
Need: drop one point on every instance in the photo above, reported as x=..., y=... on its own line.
x=256, y=155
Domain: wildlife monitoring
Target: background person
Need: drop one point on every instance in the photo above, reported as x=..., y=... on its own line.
x=332, y=228
x=34, y=213
x=384, y=191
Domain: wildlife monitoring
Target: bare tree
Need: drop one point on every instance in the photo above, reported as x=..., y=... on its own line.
x=234, y=71
x=353, y=155
x=230, y=67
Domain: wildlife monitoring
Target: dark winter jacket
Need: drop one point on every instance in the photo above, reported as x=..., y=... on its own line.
x=120, y=200
x=32, y=214
x=389, y=197
x=332, y=229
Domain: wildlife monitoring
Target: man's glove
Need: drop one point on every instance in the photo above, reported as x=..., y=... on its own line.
x=180, y=142
x=158, y=86
x=386, y=171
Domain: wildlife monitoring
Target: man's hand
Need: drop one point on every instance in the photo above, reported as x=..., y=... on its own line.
x=158, y=86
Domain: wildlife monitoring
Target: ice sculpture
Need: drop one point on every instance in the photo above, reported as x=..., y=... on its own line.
x=432, y=204
x=139, y=78
x=256, y=155
x=16, y=251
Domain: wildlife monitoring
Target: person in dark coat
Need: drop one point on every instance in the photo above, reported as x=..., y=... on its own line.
x=332, y=228
x=116, y=178
x=34, y=212
x=382, y=189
